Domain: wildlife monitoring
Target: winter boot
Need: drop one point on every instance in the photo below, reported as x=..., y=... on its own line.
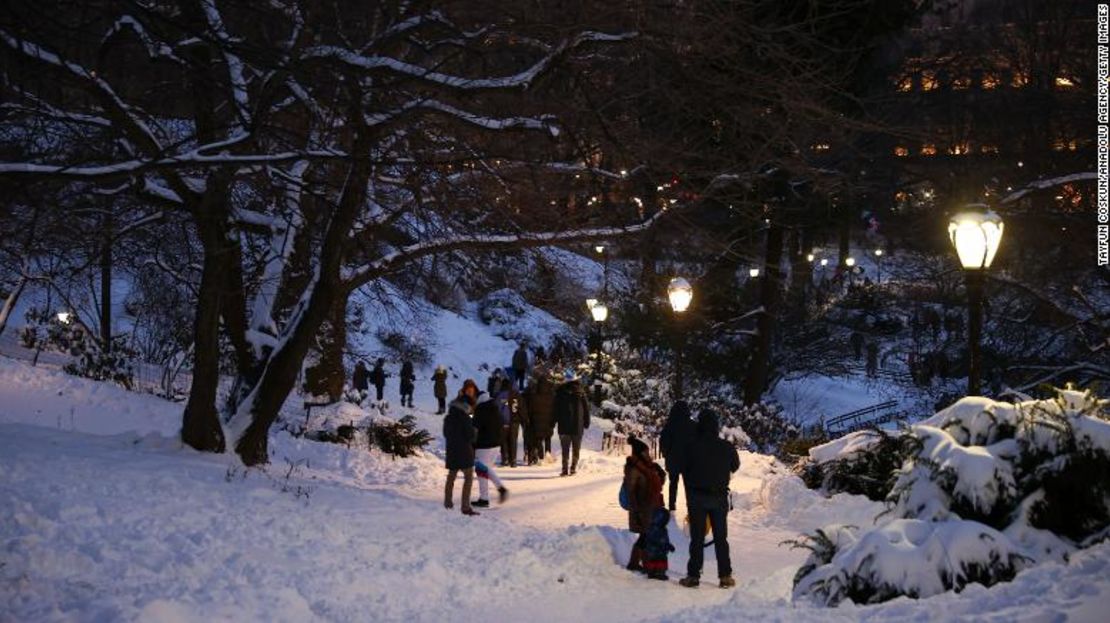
x=727, y=581
x=658, y=575
x=480, y=503
x=690, y=581
x=470, y=512
x=502, y=495
x=635, y=561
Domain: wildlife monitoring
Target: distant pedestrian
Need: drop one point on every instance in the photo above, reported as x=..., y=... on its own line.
x=377, y=377
x=676, y=436
x=520, y=366
x=494, y=383
x=487, y=444
x=360, y=380
x=856, y=340
x=709, y=466
x=439, y=388
x=512, y=410
x=459, y=435
x=643, y=484
x=408, y=383
x=572, y=413
x=872, y=359
x=541, y=354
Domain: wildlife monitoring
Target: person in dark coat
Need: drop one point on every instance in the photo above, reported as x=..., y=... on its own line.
x=856, y=341
x=360, y=380
x=459, y=435
x=539, y=399
x=520, y=366
x=494, y=383
x=377, y=377
x=408, y=383
x=487, y=443
x=676, y=436
x=657, y=545
x=872, y=359
x=710, y=463
x=439, y=379
x=572, y=414
x=513, y=410
x=643, y=483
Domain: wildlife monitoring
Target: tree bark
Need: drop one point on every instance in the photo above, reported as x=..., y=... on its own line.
x=770, y=298
x=327, y=376
x=106, y=283
x=10, y=301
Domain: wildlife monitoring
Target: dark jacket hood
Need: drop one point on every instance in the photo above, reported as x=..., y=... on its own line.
x=708, y=424
x=679, y=411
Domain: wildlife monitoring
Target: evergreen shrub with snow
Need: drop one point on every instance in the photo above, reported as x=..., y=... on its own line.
x=44, y=331
x=985, y=489
x=399, y=438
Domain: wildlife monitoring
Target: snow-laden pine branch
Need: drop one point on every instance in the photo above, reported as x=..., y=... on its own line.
x=544, y=122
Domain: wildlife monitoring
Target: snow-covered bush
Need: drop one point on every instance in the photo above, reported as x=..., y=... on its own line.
x=93, y=362
x=863, y=463
x=906, y=557
x=514, y=318
x=997, y=485
x=763, y=423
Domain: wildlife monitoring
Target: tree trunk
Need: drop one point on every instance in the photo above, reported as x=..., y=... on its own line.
x=770, y=299
x=327, y=376
x=106, y=283
x=10, y=301
x=279, y=375
x=200, y=427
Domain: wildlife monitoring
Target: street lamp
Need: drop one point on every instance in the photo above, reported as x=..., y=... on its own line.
x=879, y=265
x=600, y=313
x=809, y=258
x=976, y=235
x=590, y=303
x=753, y=273
x=680, y=294
x=851, y=264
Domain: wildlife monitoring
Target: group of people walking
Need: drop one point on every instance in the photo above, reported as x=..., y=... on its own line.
x=482, y=430
x=362, y=379
x=694, y=452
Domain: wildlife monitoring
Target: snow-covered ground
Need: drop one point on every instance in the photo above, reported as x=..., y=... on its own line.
x=105, y=517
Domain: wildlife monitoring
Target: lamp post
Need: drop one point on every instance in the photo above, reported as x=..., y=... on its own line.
x=851, y=264
x=679, y=293
x=879, y=265
x=976, y=235
x=600, y=313
x=600, y=249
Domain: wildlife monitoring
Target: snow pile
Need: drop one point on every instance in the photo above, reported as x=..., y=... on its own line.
x=985, y=489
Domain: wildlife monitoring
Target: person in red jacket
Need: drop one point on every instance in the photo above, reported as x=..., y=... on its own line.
x=643, y=480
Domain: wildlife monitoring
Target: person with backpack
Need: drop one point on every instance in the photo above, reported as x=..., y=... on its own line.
x=408, y=383
x=377, y=378
x=676, y=436
x=439, y=388
x=643, y=494
x=710, y=463
x=572, y=413
x=459, y=436
x=487, y=443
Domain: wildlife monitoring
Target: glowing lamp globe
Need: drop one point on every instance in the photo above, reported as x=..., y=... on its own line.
x=825, y=261
x=754, y=272
x=878, y=252
x=850, y=262
x=590, y=303
x=809, y=257
x=976, y=236
x=600, y=312
x=680, y=294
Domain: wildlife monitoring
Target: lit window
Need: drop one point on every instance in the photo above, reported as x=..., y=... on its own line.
x=962, y=83
x=1063, y=82
x=990, y=81
x=820, y=147
x=905, y=83
x=1019, y=80
x=901, y=151
x=1059, y=144
x=928, y=149
x=959, y=149
x=928, y=80
x=988, y=149
x=1073, y=145
x=900, y=196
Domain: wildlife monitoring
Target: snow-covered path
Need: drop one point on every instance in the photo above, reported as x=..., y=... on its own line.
x=101, y=525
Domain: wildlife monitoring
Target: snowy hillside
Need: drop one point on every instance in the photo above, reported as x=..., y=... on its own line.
x=101, y=524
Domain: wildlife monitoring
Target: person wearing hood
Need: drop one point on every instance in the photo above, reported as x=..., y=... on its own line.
x=440, y=388
x=674, y=440
x=377, y=378
x=459, y=437
x=572, y=413
x=643, y=482
x=710, y=462
x=487, y=445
